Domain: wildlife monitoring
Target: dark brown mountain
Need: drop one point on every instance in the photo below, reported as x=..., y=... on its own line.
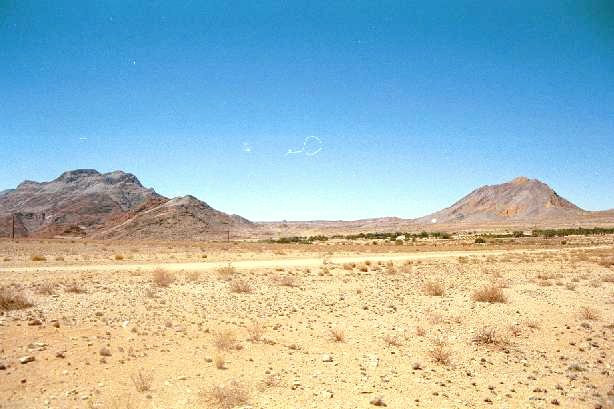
x=115, y=204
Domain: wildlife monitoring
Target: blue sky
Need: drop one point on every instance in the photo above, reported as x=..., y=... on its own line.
x=414, y=104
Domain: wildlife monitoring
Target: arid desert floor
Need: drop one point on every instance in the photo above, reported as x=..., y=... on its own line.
x=219, y=325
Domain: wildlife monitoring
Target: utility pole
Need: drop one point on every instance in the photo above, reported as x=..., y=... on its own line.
x=228, y=239
x=13, y=226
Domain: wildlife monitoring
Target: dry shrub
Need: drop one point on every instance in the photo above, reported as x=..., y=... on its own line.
x=46, y=288
x=11, y=299
x=337, y=335
x=74, y=288
x=434, y=289
x=38, y=257
x=488, y=336
x=349, y=266
x=570, y=286
x=270, y=381
x=230, y=395
x=489, y=293
x=162, y=277
x=142, y=380
x=420, y=331
x=118, y=257
x=393, y=340
x=608, y=278
x=515, y=330
x=255, y=330
x=225, y=340
x=285, y=281
x=533, y=324
x=59, y=258
x=226, y=273
x=440, y=353
x=240, y=285
x=588, y=313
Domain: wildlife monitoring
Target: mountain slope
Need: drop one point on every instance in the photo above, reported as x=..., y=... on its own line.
x=521, y=199
x=182, y=218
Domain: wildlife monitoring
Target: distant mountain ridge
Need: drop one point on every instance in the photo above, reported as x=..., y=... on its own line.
x=115, y=205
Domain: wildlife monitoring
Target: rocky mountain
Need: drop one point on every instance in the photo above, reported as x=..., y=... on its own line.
x=115, y=204
x=521, y=199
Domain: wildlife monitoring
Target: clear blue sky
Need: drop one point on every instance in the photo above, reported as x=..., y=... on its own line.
x=415, y=103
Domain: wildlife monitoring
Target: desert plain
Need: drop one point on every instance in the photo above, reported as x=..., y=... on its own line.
x=342, y=324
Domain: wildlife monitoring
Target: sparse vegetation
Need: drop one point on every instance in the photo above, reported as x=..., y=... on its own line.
x=589, y=313
x=74, y=288
x=433, y=288
x=337, y=334
x=228, y=395
x=440, y=353
x=162, y=277
x=227, y=272
x=142, y=380
x=490, y=293
x=225, y=340
x=255, y=330
x=38, y=257
x=11, y=299
x=240, y=285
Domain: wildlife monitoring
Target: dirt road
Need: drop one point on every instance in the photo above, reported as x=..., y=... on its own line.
x=309, y=262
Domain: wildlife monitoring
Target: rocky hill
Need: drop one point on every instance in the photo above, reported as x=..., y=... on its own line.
x=521, y=199
x=182, y=218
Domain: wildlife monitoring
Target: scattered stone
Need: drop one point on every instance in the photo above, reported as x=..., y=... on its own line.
x=327, y=358
x=378, y=401
x=104, y=351
x=35, y=322
x=26, y=359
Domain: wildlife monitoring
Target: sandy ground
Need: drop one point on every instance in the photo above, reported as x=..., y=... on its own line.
x=288, y=328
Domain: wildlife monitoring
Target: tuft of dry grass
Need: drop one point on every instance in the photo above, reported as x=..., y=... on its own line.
x=74, y=288
x=255, y=330
x=162, y=277
x=142, y=380
x=393, y=340
x=225, y=340
x=488, y=336
x=240, y=285
x=38, y=257
x=11, y=299
x=46, y=288
x=226, y=273
x=228, y=395
x=489, y=293
x=285, y=281
x=588, y=313
x=440, y=353
x=337, y=334
x=434, y=288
